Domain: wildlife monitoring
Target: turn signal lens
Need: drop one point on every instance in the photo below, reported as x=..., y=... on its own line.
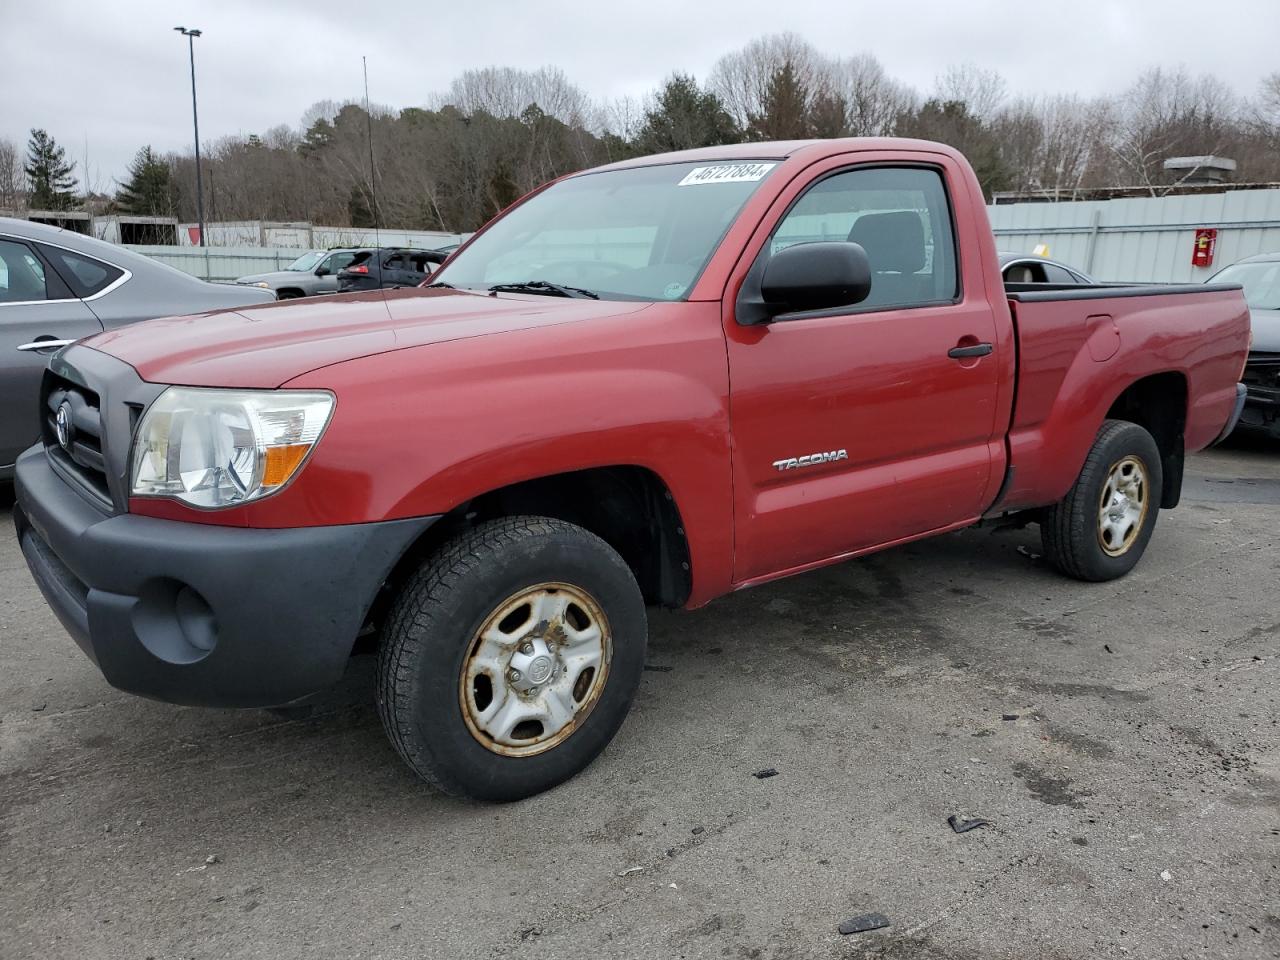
x=281, y=462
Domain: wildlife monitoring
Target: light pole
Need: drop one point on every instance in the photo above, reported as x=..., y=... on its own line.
x=195, y=120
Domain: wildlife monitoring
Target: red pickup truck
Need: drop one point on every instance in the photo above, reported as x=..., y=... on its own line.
x=650, y=383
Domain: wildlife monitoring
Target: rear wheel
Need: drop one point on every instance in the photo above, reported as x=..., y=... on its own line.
x=1101, y=528
x=288, y=294
x=511, y=658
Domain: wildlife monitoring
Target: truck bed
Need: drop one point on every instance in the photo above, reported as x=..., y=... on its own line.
x=1140, y=334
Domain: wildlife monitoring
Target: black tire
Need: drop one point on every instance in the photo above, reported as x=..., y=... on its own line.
x=289, y=295
x=1069, y=530
x=433, y=625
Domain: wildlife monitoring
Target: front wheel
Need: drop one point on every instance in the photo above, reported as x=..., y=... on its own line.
x=511, y=658
x=1100, y=529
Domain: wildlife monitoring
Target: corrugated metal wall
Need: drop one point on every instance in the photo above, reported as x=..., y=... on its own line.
x=221, y=263
x=228, y=263
x=1143, y=239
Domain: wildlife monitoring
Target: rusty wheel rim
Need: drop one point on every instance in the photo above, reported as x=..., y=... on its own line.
x=535, y=669
x=1122, y=507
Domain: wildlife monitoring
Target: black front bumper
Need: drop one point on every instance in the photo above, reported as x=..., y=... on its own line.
x=1262, y=407
x=200, y=614
x=1261, y=412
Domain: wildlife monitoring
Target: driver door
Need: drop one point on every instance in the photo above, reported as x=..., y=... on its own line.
x=327, y=271
x=858, y=426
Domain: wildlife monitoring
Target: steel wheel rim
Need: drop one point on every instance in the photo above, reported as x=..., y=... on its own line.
x=1122, y=506
x=535, y=669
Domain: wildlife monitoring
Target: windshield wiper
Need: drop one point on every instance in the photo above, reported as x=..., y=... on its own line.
x=439, y=284
x=544, y=287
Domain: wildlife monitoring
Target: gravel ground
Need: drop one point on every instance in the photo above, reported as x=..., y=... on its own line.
x=1121, y=738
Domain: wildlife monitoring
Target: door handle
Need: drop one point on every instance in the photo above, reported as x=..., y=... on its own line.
x=973, y=350
x=45, y=344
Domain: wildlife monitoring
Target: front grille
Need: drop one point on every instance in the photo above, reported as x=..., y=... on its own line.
x=77, y=450
x=1262, y=370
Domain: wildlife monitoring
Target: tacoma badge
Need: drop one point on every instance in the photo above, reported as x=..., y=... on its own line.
x=811, y=460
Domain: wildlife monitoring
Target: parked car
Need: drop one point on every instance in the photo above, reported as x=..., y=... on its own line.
x=313, y=273
x=57, y=286
x=389, y=268
x=1028, y=268
x=1260, y=277
x=639, y=385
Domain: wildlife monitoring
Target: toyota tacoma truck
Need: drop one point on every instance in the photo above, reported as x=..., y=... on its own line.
x=651, y=383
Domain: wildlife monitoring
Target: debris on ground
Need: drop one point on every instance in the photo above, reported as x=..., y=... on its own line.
x=962, y=825
x=1107, y=647
x=863, y=923
x=37, y=707
x=1027, y=553
x=1008, y=716
x=212, y=859
x=765, y=774
x=656, y=668
x=630, y=870
x=1166, y=876
x=697, y=830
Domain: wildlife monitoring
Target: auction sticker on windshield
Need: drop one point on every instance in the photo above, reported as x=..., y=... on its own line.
x=726, y=173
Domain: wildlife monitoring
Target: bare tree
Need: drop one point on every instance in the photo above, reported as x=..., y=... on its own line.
x=1166, y=114
x=13, y=179
x=508, y=92
x=742, y=79
x=872, y=99
x=982, y=91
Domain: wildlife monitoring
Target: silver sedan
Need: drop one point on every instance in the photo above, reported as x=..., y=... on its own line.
x=57, y=286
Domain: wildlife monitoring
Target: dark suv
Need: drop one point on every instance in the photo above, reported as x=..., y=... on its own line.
x=388, y=267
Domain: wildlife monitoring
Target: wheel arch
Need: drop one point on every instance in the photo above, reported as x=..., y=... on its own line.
x=1158, y=404
x=630, y=507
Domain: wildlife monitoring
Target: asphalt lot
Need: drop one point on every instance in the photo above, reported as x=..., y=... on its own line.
x=1135, y=798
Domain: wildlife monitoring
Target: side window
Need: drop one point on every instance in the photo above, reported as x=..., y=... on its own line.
x=900, y=216
x=21, y=274
x=339, y=261
x=1056, y=274
x=86, y=275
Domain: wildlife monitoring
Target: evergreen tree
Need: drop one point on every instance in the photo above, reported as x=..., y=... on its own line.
x=785, y=107
x=317, y=138
x=684, y=116
x=952, y=123
x=49, y=173
x=149, y=190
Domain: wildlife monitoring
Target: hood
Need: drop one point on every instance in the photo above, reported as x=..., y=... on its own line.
x=269, y=345
x=275, y=276
x=1266, y=330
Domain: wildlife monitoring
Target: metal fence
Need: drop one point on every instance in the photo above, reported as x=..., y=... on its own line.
x=221, y=263
x=1145, y=239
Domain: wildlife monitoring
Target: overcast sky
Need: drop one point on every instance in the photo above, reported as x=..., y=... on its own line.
x=114, y=75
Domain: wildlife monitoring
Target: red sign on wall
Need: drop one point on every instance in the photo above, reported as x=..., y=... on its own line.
x=1202, y=253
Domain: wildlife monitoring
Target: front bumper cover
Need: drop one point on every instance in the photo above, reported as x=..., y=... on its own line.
x=201, y=614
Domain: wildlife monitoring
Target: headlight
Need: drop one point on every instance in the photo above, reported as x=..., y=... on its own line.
x=263, y=284
x=220, y=448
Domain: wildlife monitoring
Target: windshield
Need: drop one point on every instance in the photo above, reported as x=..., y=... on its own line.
x=307, y=261
x=644, y=233
x=1261, y=283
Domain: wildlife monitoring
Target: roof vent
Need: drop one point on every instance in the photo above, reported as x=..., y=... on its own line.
x=1206, y=169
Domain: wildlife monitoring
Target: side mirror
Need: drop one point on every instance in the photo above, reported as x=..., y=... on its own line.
x=815, y=276
x=322, y=271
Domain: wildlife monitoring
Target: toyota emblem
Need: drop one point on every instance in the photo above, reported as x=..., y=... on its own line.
x=62, y=425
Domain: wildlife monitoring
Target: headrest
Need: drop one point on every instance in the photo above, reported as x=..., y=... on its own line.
x=894, y=241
